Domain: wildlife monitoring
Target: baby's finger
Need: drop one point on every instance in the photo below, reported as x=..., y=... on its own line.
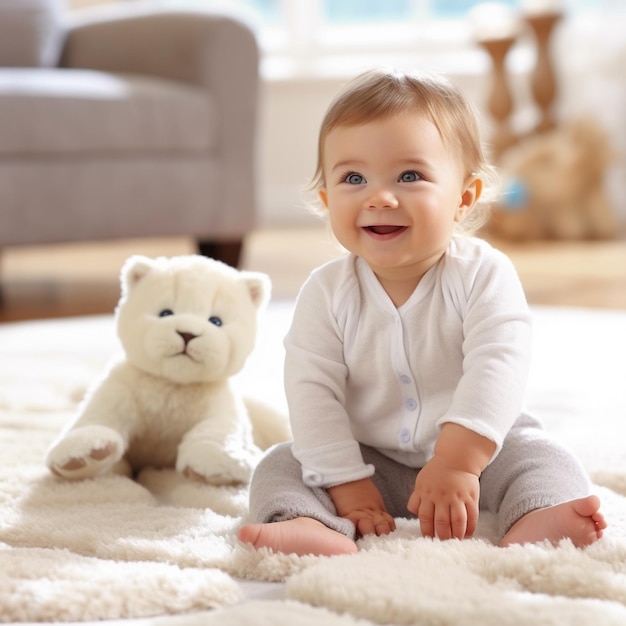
x=442, y=522
x=365, y=526
x=426, y=517
x=472, y=519
x=458, y=520
x=413, y=505
x=385, y=524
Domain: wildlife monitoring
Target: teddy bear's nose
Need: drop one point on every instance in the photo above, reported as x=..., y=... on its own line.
x=187, y=337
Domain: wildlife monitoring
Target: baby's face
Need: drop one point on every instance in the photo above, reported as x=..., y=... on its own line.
x=394, y=192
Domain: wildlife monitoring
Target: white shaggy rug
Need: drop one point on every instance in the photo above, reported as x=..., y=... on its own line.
x=163, y=551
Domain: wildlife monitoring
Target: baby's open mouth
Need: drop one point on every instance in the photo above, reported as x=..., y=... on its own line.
x=385, y=229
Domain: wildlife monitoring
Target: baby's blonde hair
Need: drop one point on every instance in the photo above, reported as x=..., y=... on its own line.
x=381, y=93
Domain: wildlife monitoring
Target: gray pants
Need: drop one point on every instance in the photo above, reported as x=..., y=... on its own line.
x=531, y=471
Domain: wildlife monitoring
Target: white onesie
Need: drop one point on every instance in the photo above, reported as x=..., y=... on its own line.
x=360, y=370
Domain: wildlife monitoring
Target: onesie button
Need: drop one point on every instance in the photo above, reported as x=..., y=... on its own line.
x=404, y=379
x=410, y=404
x=405, y=435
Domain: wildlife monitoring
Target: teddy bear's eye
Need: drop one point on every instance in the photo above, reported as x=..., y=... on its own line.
x=166, y=312
x=215, y=320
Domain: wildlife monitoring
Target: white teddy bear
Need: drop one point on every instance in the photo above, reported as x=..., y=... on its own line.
x=187, y=324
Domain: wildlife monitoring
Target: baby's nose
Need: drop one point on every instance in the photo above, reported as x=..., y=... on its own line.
x=383, y=198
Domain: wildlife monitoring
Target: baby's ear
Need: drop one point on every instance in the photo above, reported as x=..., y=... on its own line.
x=133, y=270
x=259, y=286
x=469, y=198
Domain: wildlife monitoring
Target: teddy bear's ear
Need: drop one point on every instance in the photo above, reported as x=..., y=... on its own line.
x=259, y=285
x=133, y=270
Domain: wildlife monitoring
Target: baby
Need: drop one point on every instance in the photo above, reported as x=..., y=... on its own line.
x=407, y=359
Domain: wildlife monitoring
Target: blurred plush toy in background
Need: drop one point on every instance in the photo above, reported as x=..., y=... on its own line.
x=553, y=186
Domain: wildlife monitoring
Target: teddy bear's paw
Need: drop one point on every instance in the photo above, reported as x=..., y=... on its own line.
x=85, y=452
x=190, y=473
x=211, y=463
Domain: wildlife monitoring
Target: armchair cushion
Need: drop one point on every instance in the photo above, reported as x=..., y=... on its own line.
x=47, y=112
x=31, y=32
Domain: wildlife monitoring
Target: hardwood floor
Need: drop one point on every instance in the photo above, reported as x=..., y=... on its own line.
x=575, y=274
x=82, y=279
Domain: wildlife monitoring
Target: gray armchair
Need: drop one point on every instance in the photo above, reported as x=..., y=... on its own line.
x=130, y=122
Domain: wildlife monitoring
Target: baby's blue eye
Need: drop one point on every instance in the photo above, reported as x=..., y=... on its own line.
x=409, y=177
x=166, y=312
x=215, y=320
x=354, y=179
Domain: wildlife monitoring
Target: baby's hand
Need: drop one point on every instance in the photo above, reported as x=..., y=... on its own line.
x=361, y=503
x=445, y=500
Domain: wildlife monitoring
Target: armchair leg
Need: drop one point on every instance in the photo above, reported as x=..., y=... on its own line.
x=228, y=252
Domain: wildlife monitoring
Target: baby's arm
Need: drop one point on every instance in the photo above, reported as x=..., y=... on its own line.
x=361, y=503
x=447, y=490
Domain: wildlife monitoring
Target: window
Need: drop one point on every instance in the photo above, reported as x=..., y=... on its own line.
x=322, y=37
x=368, y=11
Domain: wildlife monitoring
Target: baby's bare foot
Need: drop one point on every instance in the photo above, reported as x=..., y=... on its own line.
x=579, y=520
x=302, y=535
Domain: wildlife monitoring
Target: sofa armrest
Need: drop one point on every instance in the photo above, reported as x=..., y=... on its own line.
x=212, y=50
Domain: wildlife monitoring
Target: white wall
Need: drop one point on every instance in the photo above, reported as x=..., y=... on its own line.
x=291, y=112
